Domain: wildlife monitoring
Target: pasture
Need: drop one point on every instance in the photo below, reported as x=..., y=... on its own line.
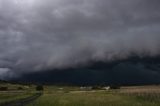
x=15, y=92
x=73, y=96
x=81, y=96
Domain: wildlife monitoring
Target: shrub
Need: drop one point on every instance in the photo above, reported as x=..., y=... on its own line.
x=39, y=88
x=114, y=87
x=96, y=88
x=3, y=88
x=19, y=88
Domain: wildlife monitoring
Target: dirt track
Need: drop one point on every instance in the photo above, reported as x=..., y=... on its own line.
x=22, y=102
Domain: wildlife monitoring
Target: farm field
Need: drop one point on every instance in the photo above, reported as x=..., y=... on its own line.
x=126, y=96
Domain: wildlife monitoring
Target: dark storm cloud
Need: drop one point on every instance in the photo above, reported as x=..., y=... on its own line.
x=44, y=34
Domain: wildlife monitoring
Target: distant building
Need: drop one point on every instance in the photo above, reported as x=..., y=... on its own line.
x=107, y=88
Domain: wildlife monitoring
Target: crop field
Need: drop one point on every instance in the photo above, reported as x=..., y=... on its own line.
x=82, y=96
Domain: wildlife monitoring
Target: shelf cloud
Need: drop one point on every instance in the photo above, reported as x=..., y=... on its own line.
x=38, y=35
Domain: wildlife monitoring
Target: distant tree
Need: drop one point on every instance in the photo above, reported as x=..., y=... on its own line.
x=96, y=87
x=39, y=88
x=114, y=87
x=3, y=81
x=3, y=88
x=19, y=88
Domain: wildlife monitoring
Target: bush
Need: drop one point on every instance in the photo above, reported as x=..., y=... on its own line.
x=96, y=88
x=114, y=87
x=19, y=88
x=39, y=88
x=3, y=88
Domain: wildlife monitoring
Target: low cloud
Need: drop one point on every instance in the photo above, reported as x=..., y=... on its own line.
x=47, y=34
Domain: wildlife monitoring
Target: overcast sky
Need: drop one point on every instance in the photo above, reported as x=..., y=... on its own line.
x=46, y=34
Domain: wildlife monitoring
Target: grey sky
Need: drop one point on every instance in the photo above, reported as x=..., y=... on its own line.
x=45, y=34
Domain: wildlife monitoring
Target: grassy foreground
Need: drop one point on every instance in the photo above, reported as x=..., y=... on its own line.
x=14, y=93
x=75, y=96
x=10, y=96
x=123, y=97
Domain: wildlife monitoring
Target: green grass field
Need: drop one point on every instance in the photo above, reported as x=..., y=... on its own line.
x=75, y=96
x=14, y=93
x=138, y=96
x=12, y=96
